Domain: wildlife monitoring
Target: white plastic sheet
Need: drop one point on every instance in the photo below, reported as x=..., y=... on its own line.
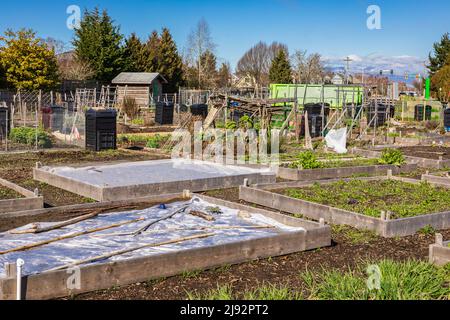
x=70, y=250
x=337, y=140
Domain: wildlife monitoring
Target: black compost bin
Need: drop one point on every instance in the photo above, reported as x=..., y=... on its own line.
x=5, y=122
x=419, y=112
x=316, y=109
x=101, y=129
x=315, y=125
x=199, y=110
x=57, y=118
x=381, y=111
x=164, y=113
x=447, y=119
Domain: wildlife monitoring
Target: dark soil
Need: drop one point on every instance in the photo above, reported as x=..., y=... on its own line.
x=428, y=152
x=350, y=247
x=18, y=168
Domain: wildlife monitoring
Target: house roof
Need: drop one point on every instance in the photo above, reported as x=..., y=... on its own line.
x=137, y=78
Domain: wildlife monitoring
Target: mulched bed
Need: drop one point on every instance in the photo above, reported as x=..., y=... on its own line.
x=428, y=152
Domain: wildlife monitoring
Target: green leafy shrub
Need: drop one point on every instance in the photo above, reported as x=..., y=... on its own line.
x=307, y=160
x=392, y=156
x=28, y=136
x=230, y=125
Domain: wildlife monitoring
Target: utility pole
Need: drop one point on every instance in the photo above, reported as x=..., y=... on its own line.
x=347, y=68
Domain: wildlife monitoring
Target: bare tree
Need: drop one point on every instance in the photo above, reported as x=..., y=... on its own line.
x=199, y=42
x=308, y=68
x=256, y=62
x=56, y=45
x=72, y=68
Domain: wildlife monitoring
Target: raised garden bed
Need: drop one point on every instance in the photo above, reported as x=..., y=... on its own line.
x=390, y=206
x=440, y=251
x=286, y=235
x=423, y=156
x=344, y=171
x=442, y=178
x=15, y=198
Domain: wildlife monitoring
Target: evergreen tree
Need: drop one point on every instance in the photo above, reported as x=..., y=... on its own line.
x=27, y=62
x=135, y=58
x=280, y=70
x=151, y=52
x=440, y=55
x=208, y=63
x=224, y=76
x=170, y=64
x=98, y=42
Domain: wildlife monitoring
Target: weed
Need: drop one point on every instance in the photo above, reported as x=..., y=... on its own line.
x=190, y=274
x=410, y=280
x=355, y=236
x=427, y=230
x=221, y=293
x=271, y=293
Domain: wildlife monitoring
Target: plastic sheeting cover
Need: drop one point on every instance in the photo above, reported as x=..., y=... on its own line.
x=87, y=246
x=337, y=140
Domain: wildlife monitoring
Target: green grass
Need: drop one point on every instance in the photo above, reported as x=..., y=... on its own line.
x=372, y=197
x=411, y=280
x=355, y=236
x=266, y=292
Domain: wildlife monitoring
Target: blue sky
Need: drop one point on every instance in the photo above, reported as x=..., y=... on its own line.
x=331, y=27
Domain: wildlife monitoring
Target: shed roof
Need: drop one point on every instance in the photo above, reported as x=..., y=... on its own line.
x=137, y=78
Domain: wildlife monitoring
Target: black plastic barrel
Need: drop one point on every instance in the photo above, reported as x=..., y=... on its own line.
x=447, y=119
x=419, y=112
x=164, y=113
x=5, y=122
x=101, y=129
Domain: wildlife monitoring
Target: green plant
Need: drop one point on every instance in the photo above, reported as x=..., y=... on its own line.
x=29, y=136
x=392, y=156
x=272, y=293
x=410, y=280
x=230, y=125
x=246, y=122
x=427, y=230
x=221, y=293
x=156, y=141
x=307, y=160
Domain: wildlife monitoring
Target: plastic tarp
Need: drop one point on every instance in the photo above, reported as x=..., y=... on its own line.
x=337, y=140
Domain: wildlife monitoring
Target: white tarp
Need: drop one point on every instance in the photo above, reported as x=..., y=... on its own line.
x=337, y=140
x=67, y=251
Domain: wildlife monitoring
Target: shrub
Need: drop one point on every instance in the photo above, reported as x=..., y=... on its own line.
x=307, y=160
x=27, y=135
x=392, y=156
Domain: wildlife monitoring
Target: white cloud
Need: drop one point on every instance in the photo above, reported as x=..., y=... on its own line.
x=375, y=62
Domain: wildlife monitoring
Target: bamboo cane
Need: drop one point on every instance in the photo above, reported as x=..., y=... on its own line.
x=120, y=252
x=68, y=236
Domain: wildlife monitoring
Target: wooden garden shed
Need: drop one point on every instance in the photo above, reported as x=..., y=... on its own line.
x=142, y=86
